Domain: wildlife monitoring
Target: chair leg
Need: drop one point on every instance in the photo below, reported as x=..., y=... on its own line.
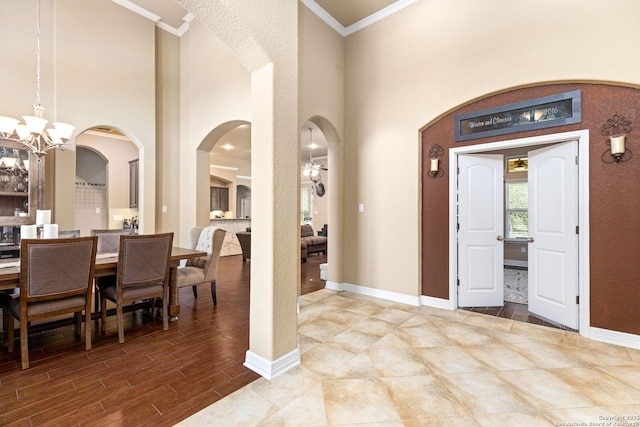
x=96, y=298
x=165, y=310
x=195, y=291
x=87, y=330
x=24, y=344
x=213, y=293
x=10, y=333
x=78, y=328
x=153, y=308
x=120, y=321
x=103, y=313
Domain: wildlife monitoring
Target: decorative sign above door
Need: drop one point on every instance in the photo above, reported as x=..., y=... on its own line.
x=549, y=111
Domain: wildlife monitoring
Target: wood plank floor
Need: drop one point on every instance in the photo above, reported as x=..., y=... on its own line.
x=156, y=377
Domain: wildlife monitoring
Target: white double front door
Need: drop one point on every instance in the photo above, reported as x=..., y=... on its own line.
x=553, y=239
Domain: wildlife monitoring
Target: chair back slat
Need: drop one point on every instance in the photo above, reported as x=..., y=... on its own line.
x=144, y=259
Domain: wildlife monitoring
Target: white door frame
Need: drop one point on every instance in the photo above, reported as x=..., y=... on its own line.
x=582, y=136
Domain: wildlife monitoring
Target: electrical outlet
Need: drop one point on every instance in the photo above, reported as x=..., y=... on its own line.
x=523, y=250
x=164, y=209
x=361, y=207
x=117, y=217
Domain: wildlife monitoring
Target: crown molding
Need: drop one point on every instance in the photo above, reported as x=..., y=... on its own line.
x=157, y=19
x=322, y=14
x=365, y=22
x=371, y=19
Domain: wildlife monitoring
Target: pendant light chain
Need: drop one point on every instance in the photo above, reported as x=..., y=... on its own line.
x=37, y=107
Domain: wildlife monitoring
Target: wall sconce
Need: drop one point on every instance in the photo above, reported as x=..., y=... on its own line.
x=616, y=129
x=435, y=152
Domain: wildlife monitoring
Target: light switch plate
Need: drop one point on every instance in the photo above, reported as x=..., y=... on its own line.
x=361, y=207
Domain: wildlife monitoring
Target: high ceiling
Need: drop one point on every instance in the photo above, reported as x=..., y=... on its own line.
x=344, y=16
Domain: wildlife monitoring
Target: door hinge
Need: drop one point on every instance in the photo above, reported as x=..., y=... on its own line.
x=458, y=282
x=577, y=160
x=577, y=299
x=577, y=229
x=458, y=225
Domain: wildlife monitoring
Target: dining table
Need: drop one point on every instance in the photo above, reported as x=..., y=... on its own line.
x=107, y=265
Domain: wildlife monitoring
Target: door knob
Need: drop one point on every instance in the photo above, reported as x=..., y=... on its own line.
x=500, y=238
x=530, y=240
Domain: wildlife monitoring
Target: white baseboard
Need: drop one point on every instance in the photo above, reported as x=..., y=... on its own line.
x=379, y=293
x=614, y=337
x=271, y=369
x=596, y=334
x=437, y=302
x=516, y=263
x=334, y=286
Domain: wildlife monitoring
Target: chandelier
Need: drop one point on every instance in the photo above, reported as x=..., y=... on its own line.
x=312, y=171
x=32, y=134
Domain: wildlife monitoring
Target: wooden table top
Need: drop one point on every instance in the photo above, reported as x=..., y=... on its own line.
x=106, y=264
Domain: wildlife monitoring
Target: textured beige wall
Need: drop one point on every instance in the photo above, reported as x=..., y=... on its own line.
x=410, y=68
x=263, y=36
x=322, y=98
x=215, y=89
x=168, y=132
x=107, y=77
x=104, y=77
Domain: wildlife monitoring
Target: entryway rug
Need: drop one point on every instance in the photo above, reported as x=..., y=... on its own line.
x=516, y=286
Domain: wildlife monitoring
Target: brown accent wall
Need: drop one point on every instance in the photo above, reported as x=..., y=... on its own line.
x=614, y=199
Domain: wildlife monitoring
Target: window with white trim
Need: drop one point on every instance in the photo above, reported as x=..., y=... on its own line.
x=517, y=209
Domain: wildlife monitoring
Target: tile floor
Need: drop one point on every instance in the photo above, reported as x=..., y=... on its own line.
x=372, y=362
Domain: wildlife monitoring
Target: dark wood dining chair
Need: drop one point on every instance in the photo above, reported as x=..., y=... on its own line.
x=56, y=278
x=203, y=269
x=142, y=274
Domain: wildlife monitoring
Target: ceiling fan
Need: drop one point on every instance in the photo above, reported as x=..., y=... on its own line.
x=312, y=171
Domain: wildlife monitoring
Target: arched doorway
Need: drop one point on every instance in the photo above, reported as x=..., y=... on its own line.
x=105, y=190
x=328, y=208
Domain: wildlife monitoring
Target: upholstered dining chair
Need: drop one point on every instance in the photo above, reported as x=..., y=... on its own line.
x=203, y=270
x=109, y=240
x=142, y=273
x=64, y=234
x=56, y=278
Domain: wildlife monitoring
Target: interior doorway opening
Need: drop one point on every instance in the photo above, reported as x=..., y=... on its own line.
x=457, y=262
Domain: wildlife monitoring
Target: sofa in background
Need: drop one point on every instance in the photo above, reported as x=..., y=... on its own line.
x=309, y=243
x=315, y=244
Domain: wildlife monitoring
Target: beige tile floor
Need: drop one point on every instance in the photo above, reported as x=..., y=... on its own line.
x=370, y=362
